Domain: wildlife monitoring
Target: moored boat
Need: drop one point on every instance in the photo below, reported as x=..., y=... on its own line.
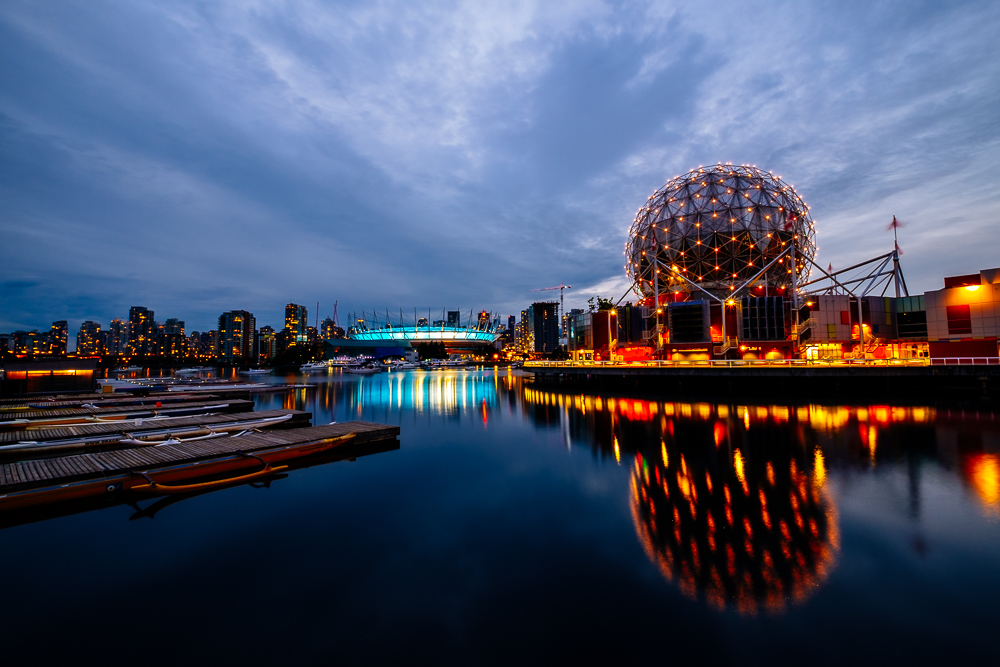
x=314, y=366
x=366, y=369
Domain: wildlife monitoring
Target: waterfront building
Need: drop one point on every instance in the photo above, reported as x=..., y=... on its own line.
x=296, y=319
x=89, y=340
x=141, y=331
x=545, y=326
x=50, y=375
x=7, y=343
x=58, y=337
x=237, y=337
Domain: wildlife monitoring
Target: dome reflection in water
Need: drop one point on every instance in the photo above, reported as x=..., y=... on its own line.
x=728, y=501
x=750, y=531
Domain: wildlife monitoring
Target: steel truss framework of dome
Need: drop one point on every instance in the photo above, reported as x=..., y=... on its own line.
x=715, y=228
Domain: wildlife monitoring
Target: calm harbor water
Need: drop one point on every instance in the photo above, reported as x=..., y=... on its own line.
x=518, y=523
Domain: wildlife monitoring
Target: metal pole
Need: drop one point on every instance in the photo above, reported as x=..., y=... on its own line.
x=895, y=257
x=723, y=323
x=795, y=297
x=861, y=329
x=656, y=296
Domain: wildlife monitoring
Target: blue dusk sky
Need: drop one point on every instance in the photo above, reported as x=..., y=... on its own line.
x=196, y=157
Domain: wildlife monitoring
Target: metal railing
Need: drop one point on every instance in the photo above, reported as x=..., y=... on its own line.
x=965, y=361
x=739, y=363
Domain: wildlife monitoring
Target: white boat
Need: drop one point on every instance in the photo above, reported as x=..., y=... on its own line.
x=187, y=371
x=314, y=366
x=256, y=371
x=128, y=369
x=404, y=366
x=367, y=369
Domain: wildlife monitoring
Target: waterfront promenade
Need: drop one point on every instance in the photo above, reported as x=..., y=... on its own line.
x=970, y=377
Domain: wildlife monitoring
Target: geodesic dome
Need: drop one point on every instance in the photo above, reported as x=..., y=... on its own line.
x=719, y=225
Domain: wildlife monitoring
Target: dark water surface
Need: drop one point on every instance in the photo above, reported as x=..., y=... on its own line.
x=524, y=524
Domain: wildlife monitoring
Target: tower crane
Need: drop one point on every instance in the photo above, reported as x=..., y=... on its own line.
x=562, y=304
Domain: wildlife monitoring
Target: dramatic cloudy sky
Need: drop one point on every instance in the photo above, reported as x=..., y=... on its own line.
x=199, y=157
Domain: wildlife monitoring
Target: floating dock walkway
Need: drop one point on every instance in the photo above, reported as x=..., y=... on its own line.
x=114, y=475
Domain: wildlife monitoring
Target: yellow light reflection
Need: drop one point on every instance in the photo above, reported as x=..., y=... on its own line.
x=983, y=473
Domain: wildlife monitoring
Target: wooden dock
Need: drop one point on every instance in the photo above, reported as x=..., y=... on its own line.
x=41, y=498
x=111, y=432
x=137, y=410
x=8, y=405
x=65, y=478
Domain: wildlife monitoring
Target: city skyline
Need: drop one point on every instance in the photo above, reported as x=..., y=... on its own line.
x=199, y=161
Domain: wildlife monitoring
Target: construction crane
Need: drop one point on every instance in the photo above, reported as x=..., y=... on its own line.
x=562, y=304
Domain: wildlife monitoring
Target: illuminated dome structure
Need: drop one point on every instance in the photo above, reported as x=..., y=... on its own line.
x=718, y=226
x=755, y=534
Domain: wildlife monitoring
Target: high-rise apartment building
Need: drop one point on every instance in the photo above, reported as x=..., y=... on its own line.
x=296, y=321
x=194, y=343
x=267, y=343
x=89, y=340
x=141, y=331
x=173, y=326
x=238, y=337
x=58, y=337
x=116, y=341
x=30, y=343
x=209, y=346
x=483, y=322
x=170, y=338
x=454, y=318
